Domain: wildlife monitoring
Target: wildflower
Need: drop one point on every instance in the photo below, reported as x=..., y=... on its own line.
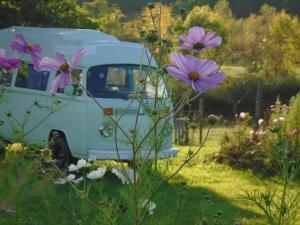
x=22, y=46
x=96, y=174
x=275, y=121
x=243, y=115
x=125, y=174
x=281, y=119
x=82, y=164
x=260, y=122
x=63, y=66
x=78, y=180
x=8, y=64
x=251, y=132
x=198, y=40
x=64, y=180
x=72, y=168
x=294, y=132
x=201, y=74
x=150, y=206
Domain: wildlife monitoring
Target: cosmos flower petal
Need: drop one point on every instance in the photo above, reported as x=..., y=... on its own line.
x=179, y=61
x=216, y=41
x=186, y=46
x=36, y=61
x=36, y=49
x=20, y=38
x=208, y=67
x=17, y=46
x=61, y=57
x=175, y=72
x=55, y=85
x=76, y=57
x=196, y=34
x=213, y=80
x=199, y=86
x=66, y=80
x=2, y=53
x=49, y=64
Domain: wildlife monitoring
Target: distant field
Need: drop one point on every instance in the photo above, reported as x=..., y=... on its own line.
x=237, y=71
x=233, y=71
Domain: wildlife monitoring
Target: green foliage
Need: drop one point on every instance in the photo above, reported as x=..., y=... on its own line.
x=258, y=149
x=292, y=125
x=65, y=13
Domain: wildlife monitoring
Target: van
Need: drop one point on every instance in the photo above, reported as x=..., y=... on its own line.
x=110, y=72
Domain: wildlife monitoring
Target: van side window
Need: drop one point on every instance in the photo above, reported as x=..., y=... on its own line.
x=5, y=78
x=28, y=77
x=74, y=88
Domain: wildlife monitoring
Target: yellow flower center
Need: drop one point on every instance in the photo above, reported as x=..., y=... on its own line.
x=194, y=75
x=29, y=47
x=64, y=67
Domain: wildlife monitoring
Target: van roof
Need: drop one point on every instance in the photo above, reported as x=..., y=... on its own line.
x=101, y=48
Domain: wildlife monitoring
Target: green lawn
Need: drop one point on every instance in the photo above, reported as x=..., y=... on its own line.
x=211, y=188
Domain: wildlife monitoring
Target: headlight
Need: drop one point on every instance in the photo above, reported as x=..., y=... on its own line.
x=106, y=130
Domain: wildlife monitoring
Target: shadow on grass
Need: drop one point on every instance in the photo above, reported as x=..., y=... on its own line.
x=195, y=203
x=38, y=201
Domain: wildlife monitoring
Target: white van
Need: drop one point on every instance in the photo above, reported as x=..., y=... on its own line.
x=110, y=70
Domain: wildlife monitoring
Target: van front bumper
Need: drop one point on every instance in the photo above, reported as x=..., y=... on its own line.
x=127, y=154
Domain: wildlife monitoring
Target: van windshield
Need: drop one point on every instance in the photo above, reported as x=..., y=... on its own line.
x=122, y=81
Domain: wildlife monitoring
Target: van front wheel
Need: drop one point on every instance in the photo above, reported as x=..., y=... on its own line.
x=60, y=151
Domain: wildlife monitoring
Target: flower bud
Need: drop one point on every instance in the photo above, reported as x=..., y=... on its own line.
x=151, y=36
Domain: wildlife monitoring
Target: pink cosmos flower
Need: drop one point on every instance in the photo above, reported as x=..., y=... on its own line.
x=201, y=74
x=62, y=65
x=22, y=46
x=7, y=64
x=198, y=40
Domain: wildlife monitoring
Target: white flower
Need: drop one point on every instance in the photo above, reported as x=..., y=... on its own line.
x=275, y=121
x=125, y=174
x=72, y=168
x=60, y=181
x=78, y=180
x=69, y=178
x=96, y=174
x=260, y=121
x=251, y=132
x=243, y=115
x=150, y=206
x=281, y=118
x=82, y=164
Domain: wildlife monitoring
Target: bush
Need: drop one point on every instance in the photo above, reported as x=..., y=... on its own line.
x=245, y=148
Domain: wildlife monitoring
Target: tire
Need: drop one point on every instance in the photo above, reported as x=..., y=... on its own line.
x=60, y=151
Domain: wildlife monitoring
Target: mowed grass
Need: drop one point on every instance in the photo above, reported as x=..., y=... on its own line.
x=210, y=189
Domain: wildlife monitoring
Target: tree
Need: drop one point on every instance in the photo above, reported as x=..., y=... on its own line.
x=57, y=13
x=267, y=45
x=107, y=19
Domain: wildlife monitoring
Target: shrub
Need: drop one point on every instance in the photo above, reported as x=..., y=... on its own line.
x=245, y=148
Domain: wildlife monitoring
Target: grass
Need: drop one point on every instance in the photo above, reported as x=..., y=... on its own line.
x=210, y=189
